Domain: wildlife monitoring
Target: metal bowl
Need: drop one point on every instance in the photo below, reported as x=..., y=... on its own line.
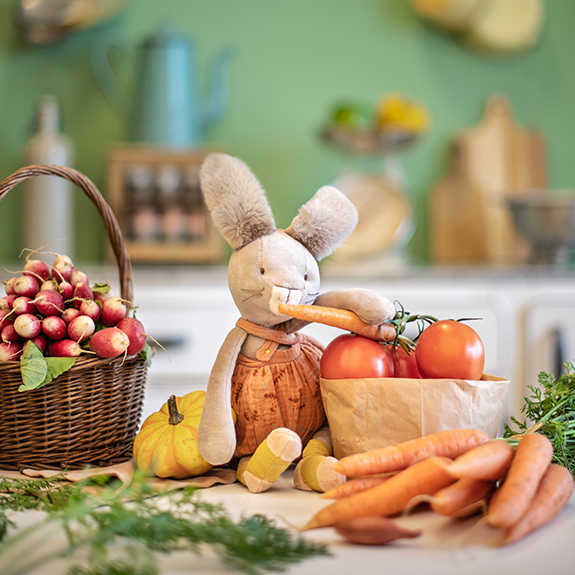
x=547, y=220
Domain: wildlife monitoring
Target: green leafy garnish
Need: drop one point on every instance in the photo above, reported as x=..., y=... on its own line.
x=550, y=410
x=101, y=288
x=37, y=370
x=147, y=353
x=33, y=367
x=118, y=529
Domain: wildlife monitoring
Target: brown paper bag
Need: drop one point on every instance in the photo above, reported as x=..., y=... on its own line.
x=365, y=414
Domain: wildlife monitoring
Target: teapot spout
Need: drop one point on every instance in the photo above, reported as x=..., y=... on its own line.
x=219, y=88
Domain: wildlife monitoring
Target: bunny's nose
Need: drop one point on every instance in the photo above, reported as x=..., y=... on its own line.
x=284, y=295
x=293, y=296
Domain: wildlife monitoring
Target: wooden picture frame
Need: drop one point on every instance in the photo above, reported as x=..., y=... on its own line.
x=156, y=196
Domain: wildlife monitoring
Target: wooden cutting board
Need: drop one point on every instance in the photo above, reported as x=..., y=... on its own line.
x=469, y=218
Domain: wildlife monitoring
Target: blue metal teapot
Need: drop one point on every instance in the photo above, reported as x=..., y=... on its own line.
x=166, y=108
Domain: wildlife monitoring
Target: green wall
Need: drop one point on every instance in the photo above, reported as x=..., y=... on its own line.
x=293, y=60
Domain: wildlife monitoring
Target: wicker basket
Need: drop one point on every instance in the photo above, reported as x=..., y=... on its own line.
x=89, y=415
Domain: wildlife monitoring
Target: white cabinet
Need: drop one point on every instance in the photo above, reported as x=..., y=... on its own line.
x=518, y=318
x=548, y=334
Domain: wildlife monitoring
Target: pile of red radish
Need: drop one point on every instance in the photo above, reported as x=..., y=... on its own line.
x=55, y=307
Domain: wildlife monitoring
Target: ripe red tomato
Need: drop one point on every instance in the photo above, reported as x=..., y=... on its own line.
x=450, y=349
x=352, y=356
x=405, y=364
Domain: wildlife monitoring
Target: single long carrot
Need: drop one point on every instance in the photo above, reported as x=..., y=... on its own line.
x=552, y=495
x=393, y=496
x=340, y=318
x=450, y=443
x=354, y=485
x=489, y=461
x=532, y=457
x=462, y=498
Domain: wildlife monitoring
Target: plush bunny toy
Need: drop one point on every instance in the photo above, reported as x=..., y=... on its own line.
x=265, y=370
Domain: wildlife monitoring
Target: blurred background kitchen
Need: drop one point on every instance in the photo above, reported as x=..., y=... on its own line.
x=449, y=123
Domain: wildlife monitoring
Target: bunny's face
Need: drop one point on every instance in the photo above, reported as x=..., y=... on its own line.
x=271, y=266
x=272, y=269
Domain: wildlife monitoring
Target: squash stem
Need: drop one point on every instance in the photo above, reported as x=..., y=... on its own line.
x=175, y=416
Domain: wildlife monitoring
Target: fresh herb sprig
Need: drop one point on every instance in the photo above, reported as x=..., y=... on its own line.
x=550, y=410
x=145, y=521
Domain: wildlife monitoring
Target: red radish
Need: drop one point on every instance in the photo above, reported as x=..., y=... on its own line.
x=113, y=310
x=49, y=302
x=37, y=268
x=27, y=325
x=66, y=289
x=10, y=351
x=69, y=314
x=134, y=329
x=26, y=285
x=9, y=286
x=109, y=342
x=101, y=296
x=9, y=334
x=81, y=328
x=7, y=302
x=63, y=268
x=49, y=284
x=64, y=348
x=22, y=305
x=90, y=308
x=63, y=259
x=5, y=318
x=82, y=291
x=40, y=341
x=54, y=327
x=78, y=277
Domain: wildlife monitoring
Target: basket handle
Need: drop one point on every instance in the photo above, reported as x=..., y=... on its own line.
x=89, y=188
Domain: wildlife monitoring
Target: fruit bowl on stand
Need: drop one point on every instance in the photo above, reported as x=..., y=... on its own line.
x=386, y=213
x=371, y=141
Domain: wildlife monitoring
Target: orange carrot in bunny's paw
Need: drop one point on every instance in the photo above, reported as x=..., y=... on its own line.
x=339, y=318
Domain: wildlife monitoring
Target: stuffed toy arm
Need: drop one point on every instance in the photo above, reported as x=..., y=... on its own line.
x=216, y=432
x=369, y=305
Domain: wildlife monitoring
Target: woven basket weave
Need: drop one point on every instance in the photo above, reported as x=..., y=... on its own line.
x=89, y=415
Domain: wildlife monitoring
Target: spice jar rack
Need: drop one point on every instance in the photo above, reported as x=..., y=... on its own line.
x=156, y=195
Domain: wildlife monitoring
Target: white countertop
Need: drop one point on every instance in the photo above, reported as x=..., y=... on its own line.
x=446, y=547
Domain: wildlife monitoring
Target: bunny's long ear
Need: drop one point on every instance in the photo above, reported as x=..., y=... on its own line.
x=236, y=200
x=324, y=222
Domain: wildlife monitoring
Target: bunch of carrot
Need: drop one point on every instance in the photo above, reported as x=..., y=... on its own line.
x=457, y=472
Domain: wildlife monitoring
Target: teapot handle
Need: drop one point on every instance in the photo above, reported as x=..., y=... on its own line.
x=105, y=75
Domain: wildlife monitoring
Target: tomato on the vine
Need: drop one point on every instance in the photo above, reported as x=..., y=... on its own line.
x=405, y=363
x=450, y=349
x=352, y=356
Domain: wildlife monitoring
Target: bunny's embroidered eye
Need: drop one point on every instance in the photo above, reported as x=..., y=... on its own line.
x=262, y=271
x=305, y=278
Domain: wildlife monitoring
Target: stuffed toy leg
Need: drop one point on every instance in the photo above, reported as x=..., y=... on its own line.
x=315, y=471
x=259, y=472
